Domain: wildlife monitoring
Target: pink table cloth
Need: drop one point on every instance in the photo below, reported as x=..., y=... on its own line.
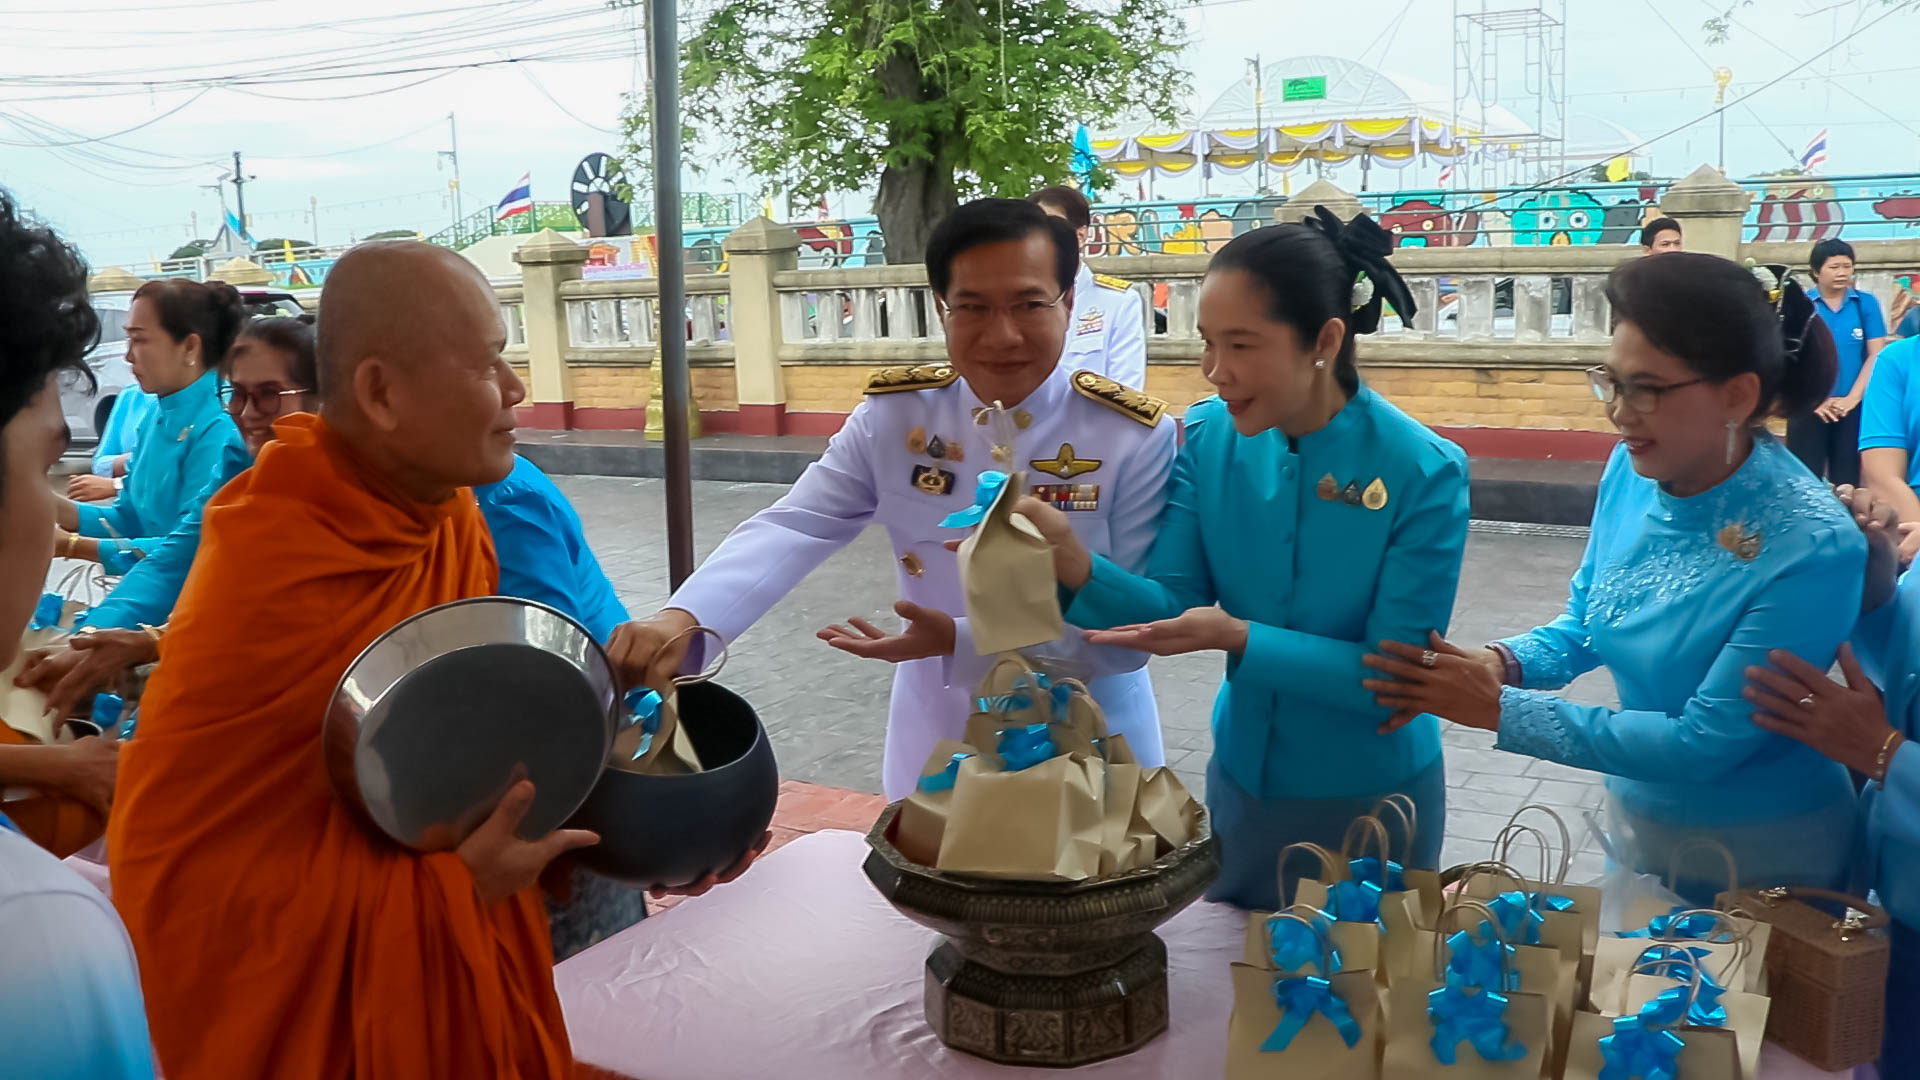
x=800, y=969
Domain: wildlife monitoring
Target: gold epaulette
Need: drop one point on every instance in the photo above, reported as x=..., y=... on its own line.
x=1118, y=284
x=892, y=380
x=1121, y=399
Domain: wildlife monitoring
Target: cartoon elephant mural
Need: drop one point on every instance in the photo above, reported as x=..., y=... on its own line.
x=1558, y=218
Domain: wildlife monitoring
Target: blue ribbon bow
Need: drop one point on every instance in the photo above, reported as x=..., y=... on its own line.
x=106, y=712
x=1293, y=945
x=945, y=778
x=1025, y=747
x=1367, y=868
x=645, y=704
x=1487, y=964
x=1699, y=925
x=47, y=612
x=1639, y=1050
x=986, y=488
x=1022, y=695
x=1474, y=1016
x=1520, y=920
x=1354, y=901
x=1673, y=961
x=1299, y=998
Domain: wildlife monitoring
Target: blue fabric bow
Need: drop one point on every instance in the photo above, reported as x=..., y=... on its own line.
x=1299, y=998
x=46, y=613
x=986, y=488
x=1293, y=945
x=1519, y=919
x=645, y=704
x=1367, y=868
x=1699, y=925
x=1640, y=1050
x=1354, y=901
x=1025, y=747
x=1676, y=962
x=1483, y=964
x=1022, y=696
x=1474, y=1016
x=106, y=712
x=945, y=778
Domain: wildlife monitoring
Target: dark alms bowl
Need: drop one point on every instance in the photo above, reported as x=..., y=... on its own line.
x=669, y=830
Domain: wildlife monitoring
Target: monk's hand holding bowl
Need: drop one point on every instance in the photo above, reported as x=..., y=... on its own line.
x=501, y=863
x=1442, y=679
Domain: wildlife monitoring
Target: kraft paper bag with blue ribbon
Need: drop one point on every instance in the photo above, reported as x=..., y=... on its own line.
x=922, y=821
x=1040, y=822
x=1352, y=906
x=1302, y=1013
x=1165, y=809
x=656, y=742
x=1730, y=947
x=1015, y=695
x=1461, y=1017
x=1557, y=899
x=1677, y=1025
x=1006, y=570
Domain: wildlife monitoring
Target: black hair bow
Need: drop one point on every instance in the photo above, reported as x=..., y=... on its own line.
x=1364, y=246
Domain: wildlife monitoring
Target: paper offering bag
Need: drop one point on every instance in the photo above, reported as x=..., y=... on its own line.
x=1006, y=572
x=1445, y=1021
x=1041, y=823
x=1318, y=1049
x=922, y=823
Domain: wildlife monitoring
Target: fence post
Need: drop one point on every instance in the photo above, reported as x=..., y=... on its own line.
x=755, y=252
x=546, y=261
x=1710, y=209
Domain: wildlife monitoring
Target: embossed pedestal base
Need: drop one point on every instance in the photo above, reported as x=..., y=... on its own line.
x=1048, y=1020
x=1045, y=973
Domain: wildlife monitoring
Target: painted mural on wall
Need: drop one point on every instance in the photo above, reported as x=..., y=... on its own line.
x=1795, y=210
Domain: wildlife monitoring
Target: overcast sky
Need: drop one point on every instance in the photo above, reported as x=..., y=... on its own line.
x=366, y=150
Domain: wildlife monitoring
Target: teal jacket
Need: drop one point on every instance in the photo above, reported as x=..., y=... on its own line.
x=1888, y=643
x=184, y=453
x=1284, y=534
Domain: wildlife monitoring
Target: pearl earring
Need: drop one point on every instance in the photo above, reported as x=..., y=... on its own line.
x=1320, y=363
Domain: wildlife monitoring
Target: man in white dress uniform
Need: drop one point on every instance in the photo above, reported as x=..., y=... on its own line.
x=908, y=455
x=1108, y=334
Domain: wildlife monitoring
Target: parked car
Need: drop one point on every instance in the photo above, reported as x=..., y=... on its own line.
x=87, y=413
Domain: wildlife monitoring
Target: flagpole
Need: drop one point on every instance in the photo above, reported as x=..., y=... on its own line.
x=671, y=253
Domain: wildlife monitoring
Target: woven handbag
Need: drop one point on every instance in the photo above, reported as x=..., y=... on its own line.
x=1827, y=976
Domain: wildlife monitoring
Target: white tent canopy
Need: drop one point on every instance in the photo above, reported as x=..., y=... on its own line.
x=1314, y=108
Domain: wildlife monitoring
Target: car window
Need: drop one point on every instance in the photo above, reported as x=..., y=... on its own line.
x=113, y=324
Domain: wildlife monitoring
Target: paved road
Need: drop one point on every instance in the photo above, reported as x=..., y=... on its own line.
x=826, y=711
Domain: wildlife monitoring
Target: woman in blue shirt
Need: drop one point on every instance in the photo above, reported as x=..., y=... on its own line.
x=178, y=332
x=1319, y=519
x=1855, y=725
x=1711, y=545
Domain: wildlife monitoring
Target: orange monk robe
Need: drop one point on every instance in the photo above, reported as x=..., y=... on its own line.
x=277, y=936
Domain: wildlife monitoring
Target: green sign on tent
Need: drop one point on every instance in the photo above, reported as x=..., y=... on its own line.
x=1311, y=88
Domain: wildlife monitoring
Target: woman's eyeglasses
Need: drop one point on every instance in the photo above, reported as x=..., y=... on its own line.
x=267, y=400
x=1639, y=397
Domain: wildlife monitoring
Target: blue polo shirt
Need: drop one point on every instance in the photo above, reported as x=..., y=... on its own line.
x=1856, y=322
x=543, y=550
x=1890, y=410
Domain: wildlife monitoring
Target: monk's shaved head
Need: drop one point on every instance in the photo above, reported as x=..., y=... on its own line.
x=411, y=373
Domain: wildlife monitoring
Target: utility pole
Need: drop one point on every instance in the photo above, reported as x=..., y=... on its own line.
x=313, y=211
x=671, y=344
x=1721, y=77
x=240, y=179
x=453, y=157
x=1259, y=120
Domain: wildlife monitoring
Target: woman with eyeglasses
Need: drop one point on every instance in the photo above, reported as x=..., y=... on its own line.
x=1711, y=546
x=1307, y=518
x=178, y=332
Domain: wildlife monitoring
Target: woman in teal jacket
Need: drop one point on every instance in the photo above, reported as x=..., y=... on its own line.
x=1320, y=520
x=177, y=334
x=1711, y=546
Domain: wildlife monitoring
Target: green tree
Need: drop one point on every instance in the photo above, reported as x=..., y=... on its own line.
x=395, y=234
x=923, y=103
x=280, y=244
x=192, y=249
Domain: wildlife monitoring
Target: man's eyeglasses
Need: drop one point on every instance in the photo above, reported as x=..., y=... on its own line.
x=1639, y=397
x=268, y=400
x=1022, y=312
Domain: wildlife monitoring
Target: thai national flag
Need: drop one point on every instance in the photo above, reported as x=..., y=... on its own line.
x=1815, y=155
x=518, y=201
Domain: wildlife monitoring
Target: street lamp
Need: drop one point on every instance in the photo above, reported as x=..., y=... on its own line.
x=1259, y=121
x=1721, y=77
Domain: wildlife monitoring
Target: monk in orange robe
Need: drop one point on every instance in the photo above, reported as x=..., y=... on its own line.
x=279, y=937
